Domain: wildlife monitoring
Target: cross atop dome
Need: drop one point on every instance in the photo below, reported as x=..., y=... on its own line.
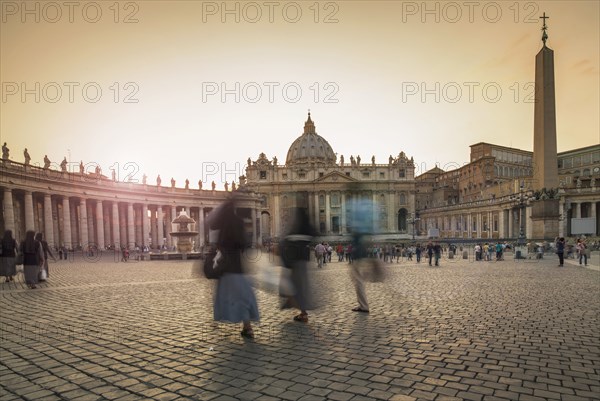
x=309, y=126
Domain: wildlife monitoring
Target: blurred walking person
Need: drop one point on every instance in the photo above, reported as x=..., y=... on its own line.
x=40, y=237
x=33, y=258
x=363, y=268
x=295, y=252
x=8, y=254
x=234, y=299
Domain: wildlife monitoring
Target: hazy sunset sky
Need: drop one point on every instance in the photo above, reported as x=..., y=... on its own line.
x=361, y=67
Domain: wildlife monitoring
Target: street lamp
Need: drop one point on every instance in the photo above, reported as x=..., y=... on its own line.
x=521, y=202
x=412, y=221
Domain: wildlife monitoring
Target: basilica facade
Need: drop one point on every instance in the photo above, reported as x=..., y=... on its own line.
x=327, y=187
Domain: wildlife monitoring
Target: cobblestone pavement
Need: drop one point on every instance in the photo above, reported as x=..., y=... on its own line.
x=511, y=330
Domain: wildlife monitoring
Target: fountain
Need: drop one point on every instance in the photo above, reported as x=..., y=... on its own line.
x=184, y=240
x=183, y=234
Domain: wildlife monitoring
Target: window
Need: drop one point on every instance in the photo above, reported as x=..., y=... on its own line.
x=320, y=175
x=568, y=162
x=321, y=201
x=263, y=175
x=335, y=200
x=596, y=157
x=366, y=174
x=348, y=174
x=402, y=173
x=284, y=176
x=382, y=175
x=301, y=175
x=586, y=158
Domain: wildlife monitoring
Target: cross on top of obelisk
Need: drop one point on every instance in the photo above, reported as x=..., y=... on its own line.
x=544, y=28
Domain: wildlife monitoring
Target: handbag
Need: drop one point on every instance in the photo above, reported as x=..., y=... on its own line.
x=214, y=263
x=43, y=275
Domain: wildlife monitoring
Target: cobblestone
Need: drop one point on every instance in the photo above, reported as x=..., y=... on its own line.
x=512, y=330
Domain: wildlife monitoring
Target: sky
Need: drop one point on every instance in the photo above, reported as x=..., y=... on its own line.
x=192, y=89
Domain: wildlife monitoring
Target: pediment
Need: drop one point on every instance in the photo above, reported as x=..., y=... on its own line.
x=335, y=177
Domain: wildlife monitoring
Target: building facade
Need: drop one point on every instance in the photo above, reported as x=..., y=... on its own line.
x=313, y=178
x=78, y=209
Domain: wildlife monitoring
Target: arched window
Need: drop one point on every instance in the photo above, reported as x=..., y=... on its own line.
x=402, y=198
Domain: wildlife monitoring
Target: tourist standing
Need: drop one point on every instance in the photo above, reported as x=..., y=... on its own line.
x=429, y=252
x=560, y=251
x=40, y=237
x=437, y=250
x=234, y=298
x=294, y=256
x=418, y=252
x=33, y=258
x=582, y=251
x=320, y=254
x=8, y=253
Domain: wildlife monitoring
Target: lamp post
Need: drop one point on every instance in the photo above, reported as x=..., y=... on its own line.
x=412, y=221
x=521, y=201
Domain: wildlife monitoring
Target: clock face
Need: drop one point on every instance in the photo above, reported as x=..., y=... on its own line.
x=596, y=169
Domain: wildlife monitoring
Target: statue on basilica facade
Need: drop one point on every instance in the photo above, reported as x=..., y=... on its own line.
x=114, y=175
x=341, y=160
x=46, y=162
x=358, y=160
x=352, y=161
x=373, y=160
x=199, y=184
x=158, y=181
x=249, y=162
x=27, y=157
x=172, y=182
x=5, y=152
x=390, y=160
x=226, y=186
x=144, y=179
x=187, y=184
x=233, y=187
x=275, y=160
x=213, y=185
x=63, y=165
x=81, y=167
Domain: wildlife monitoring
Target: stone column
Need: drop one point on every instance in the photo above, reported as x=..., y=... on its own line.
x=107, y=220
x=501, y=225
x=392, y=213
x=48, y=221
x=576, y=210
x=154, y=228
x=138, y=222
x=275, y=216
x=123, y=225
x=327, y=213
x=563, y=219
x=375, y=205
x=9, y=211
x=343, y=217
x=592, y=209
x=200, y=229
x=254, y=236
x=528, y=225
x=67, y=223
x=115, y=226
x=130, y=227
x=161, y=228
x=29, y=225
x=83, y=224
x=100, y=225
x=317, y=212
x=91, y=225
x=172, y=240
x=145, y=225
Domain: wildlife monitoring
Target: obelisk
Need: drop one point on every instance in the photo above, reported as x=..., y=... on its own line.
x=545, y=163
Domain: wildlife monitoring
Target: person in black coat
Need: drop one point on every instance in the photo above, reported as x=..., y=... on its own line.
x=8, y=248
x=33, y=258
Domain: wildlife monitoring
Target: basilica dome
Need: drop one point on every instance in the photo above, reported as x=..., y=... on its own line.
x=310, y=148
